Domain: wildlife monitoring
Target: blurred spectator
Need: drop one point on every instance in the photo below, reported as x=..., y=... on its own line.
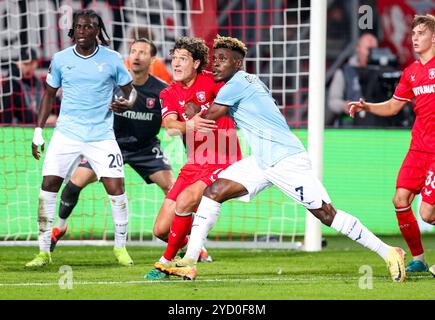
x=337, y=22
x=350, y=83
x=22, y=106
x=158, y=67
x=337, y=40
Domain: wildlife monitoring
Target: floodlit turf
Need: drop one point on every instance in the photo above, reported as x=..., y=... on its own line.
x=333, y=273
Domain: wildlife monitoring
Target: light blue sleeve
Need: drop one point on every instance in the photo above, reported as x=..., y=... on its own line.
x=54, y=78
x=231, y=93
x=122, y=76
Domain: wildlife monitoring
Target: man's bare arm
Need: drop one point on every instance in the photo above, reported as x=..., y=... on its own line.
x=45, y=107
x=384, y=109
x=215, y=112
x=120, y=104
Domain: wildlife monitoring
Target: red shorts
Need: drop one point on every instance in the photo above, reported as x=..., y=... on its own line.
x=418, y=175
x=190, y=174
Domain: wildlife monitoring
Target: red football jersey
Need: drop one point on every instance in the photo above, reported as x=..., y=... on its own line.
x=418, y=81
x=218, y=148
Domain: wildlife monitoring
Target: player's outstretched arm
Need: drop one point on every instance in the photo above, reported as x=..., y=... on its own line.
x=46, y=105
x=216, y=111
x=384, y=109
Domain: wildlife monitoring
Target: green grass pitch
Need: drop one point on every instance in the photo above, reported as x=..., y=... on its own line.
x=337, y=272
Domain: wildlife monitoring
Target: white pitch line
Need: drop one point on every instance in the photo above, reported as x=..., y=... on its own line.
x=314, y=279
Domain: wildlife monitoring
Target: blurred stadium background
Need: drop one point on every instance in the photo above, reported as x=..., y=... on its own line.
x=360, y=163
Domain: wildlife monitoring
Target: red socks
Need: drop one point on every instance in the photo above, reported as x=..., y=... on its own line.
x=180, y=228
x=410, y=231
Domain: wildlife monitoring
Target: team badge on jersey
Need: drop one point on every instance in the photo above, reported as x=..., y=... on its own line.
x=151, y=102
x=201, y=96
x=100, y=66
x=431, y=73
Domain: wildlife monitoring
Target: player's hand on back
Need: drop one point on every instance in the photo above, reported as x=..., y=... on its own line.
x=356, y=106
x=191, y=109
x=197, y=123
x=38, y=140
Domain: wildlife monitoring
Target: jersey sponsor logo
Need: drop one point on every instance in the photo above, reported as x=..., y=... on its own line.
x=424, y=89
x=201, y=96
x=145, y=116
x=431, y=73
x=151, y=102
x=185, y=117
x=205, y=107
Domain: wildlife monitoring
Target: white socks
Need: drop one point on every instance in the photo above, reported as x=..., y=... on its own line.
x=205, y=218
x=420, y=257
x=164, y=260
x=119, y=206
x=46, y=212
x=354, y=229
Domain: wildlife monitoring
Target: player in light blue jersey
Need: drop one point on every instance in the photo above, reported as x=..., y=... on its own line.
x=278, y=158
x=87, y=73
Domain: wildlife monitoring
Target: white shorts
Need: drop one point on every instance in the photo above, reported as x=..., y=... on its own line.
x=64, y=154
x=293, y=175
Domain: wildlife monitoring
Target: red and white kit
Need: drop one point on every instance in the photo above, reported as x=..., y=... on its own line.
x=418, y=169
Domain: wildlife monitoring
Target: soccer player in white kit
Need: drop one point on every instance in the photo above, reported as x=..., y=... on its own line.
x=87, y=73
x=278, y=158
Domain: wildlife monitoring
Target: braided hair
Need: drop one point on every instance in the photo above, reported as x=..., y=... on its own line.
x=90, y=14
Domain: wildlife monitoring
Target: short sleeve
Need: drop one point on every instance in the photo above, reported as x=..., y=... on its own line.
x=403, y=90
x=122, y=76
x=54, y=79
x=230, y=94
x=167, y=103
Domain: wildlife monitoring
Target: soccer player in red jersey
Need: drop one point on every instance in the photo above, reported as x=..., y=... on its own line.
x=208, y=152
x=417, y=174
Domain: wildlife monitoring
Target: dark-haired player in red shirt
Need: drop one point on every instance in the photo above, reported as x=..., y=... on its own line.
x=417, y=174
x=208, y=152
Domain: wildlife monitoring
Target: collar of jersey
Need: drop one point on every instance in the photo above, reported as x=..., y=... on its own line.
x=85, y=57
x=428, y=64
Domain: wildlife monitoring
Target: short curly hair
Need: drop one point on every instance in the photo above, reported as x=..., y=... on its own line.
x=197, y=48
x=233, y=44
